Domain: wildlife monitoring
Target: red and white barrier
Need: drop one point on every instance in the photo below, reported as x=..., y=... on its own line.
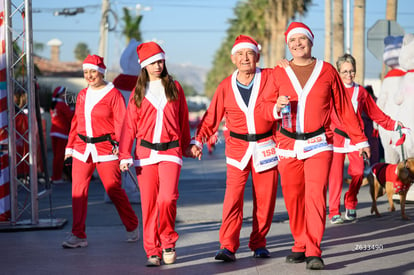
x=4, y=158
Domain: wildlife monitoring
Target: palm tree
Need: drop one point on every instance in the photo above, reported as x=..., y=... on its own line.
x=264, y=20
x=131, y=29
x=249, y=21
x=358, y=45
x=338, y=29
x=277, y=19
x=81, y=51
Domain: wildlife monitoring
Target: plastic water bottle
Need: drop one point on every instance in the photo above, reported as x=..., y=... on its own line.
x=286, y=116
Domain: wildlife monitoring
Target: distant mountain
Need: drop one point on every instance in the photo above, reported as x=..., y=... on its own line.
x=190, y=75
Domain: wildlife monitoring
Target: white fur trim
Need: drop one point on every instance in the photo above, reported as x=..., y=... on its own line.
x=152, y=59
x=244, y=45
x=93, y=67
x=156, y=158
x=299, y=30
x=361, y=145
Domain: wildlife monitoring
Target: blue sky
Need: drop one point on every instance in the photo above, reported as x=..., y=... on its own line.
x=190, y=31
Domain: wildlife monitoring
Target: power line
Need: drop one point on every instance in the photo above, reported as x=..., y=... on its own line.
x=143, y=31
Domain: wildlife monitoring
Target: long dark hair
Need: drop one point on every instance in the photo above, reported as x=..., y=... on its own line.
x=171, y=91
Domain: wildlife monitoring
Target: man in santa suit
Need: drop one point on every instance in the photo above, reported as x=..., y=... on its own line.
x=250, y=148
x=93, y=143
x=312, y=88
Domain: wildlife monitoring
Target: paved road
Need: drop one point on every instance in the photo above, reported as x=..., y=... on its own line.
x=369, y=246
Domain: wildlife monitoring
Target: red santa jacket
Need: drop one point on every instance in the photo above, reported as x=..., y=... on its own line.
x=61, y=117
x=156, y=121
x=240, y=119
x=361, y=102
x=311, y=110
x=97, y=113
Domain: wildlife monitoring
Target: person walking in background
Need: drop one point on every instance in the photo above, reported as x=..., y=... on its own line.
x=61, y=116
x=372, y=133
x=309, y=88
x=343, y=146
x=93, y=143
x=157, y=117
x=250, y=148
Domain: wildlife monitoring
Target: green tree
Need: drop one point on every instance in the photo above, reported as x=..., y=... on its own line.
x=81, y=51
x=131, y=28
x=189, y=90
x=38, y=47
x=264, y=20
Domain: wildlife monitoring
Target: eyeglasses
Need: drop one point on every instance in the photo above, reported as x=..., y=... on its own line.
x=348, y=72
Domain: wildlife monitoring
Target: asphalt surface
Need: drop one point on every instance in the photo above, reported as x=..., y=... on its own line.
x=369, y=245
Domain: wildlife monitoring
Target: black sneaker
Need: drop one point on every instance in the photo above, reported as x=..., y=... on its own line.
x=296, y=257
x=315, y=263
x=350, y=214
x=261, y=253
x=225, y=255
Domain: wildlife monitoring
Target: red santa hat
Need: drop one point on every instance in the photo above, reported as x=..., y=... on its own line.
x=148, y=53
x=94, y=62
x=243, y=42
x=59, y=90
x=298, y=27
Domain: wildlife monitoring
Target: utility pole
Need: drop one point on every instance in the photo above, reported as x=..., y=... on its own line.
x=104, y=26
x=328, y=31
x=348, y=27
x=391, y=10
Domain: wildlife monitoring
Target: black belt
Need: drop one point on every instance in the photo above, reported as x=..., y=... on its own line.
x=251, y=137
x=106, y=137
x=302, y=136
x=160, y=146
x=341, y=133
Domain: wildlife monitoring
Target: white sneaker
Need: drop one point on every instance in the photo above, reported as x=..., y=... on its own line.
x=169, y=256
x=154, y=261
x=337, y=219
x=74, y=242
x=133, y=236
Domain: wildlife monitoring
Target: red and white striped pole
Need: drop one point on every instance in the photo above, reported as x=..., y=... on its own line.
x=4, y=157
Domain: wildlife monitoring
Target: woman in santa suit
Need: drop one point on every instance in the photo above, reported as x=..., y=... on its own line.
x=93, y=143
x=157, y=117
x=61, y=115
x=312, y=87
x=361, y=102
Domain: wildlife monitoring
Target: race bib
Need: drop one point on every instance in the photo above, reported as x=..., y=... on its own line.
x=311, y=146
x=264, y=156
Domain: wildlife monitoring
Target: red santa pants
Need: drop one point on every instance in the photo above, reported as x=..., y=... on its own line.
x=336, y=178
x=111, y=179
x=58, y=147
x=304, y=183
x=158, y=184
x=264, y=199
